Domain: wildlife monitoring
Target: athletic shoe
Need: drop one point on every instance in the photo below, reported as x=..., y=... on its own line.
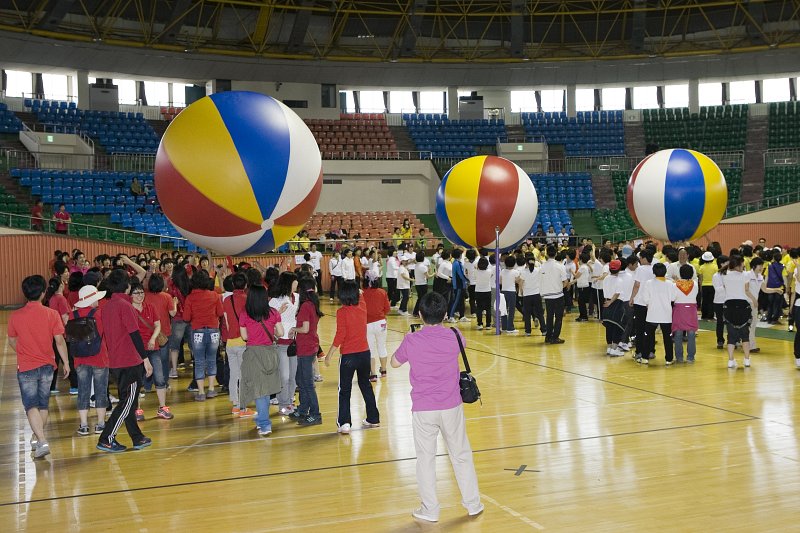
x=732, y=364
x=192, y=388
x=41, y=450
x=212, y=394
x=83, y=431
x=420, y=514
x=173, y=374
x=34, y=441
x=235, y=411
x=616, y=352
x=53, y=392
x=668, y=363
x=451, y=320
x=140, y=415
x=579, y=319
x=642, y=360
x=464, y=319
x=317, y=378
x=98, y=428
x=331, y=299
x=608, y=351
x=310, y=421
x=263, y=432
x=747, y=362
x=247, y=413
x=273, y=401
x=369, y=425
x=797, y=363
x=295, y=415
x=383, y=373
x=165, y=413
x=479, y=328
x=791, y=327
x=720, y=346
x=557, y=341
x=373, y=378
x=755, y=350
x=286, y=410
x=73, y=391
x=111, y=447
x=344, y=429
x=144, y=443
x=113, y=399
x=624, y=346
x=199, y=397
x=511, y=331
x=141, y=393
x=476, y=511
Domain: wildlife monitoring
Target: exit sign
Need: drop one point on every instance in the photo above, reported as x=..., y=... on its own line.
x=520, y=148
x=49, y=138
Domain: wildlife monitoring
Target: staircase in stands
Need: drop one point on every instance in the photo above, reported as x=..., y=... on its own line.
x=753, y=177
x=635, y=145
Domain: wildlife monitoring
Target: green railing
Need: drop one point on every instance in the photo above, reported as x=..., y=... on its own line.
x=88, y=231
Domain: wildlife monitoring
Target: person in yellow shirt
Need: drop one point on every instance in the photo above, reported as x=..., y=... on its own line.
x=397, y=238
x=705, y=272
x=406, y=231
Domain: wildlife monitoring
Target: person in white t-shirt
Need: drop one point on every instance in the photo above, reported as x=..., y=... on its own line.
x=571, y=268
x=470, y=263
x=509, y=276
x=422, y=274
x=626, y=281
x=315, y=258
x=554, y=279
x=642, y=275
x=582, y=276
x=403, y=286
x=392, y=268
x=739, y=302
x=674, y=269
x=658, y=295
x=794, y=308
x=684, y=314
x=348, y=266
x=442, y=283
x=719, y=300
x=613, y=309
x=484, y=281
x=530, y=278
x=335, y=270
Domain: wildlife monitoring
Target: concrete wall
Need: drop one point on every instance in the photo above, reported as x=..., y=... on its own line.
x=312, y=92
x=361, y=187
x=786, y=213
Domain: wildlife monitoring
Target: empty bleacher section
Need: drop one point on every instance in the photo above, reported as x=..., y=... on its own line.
x=355, y=135
x=102, y=193
x=168, y=113
x=559, y=191
x=715, y=128
x=453, y=138
x=590, y=133
x=781, y=180
x=116, y=132
x=9, y=122
x=784, y=125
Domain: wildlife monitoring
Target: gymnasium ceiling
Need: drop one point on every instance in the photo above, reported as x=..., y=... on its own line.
x=417, y=31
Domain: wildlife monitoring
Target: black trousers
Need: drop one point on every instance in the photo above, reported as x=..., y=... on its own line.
x=532, y=307
x=319, y=282
x=650, y=339
x=568, y=298
x=483, y=302
x=774, y=306
x=403, y=299
x=334, y=281
x=555, y=315
x=473, y=309
x=584, y=295
x=73, y=375
x=707, y=303
x=391, y=289
x=796, y=315
x=422, y=290
x=129, y=381
x=639, y=321
x=719, y=311
x=355, y=364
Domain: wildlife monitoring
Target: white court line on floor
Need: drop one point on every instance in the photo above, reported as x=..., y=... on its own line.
x=513, y=513
x=340, y=520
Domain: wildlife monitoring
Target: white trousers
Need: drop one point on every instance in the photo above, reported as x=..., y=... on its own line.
x=376, y=338
x=451, y=424
x=287, y=366
x=235, y=354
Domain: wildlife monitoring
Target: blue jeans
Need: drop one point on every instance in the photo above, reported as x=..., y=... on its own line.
x=690, y=345
x=179, y=330
x=262, y=413
x=160, y=361
x=86, y=376
x=34, y=387
x=309, y=404
x=205, y=342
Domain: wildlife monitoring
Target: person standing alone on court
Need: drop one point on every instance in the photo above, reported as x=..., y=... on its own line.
x=436, y=407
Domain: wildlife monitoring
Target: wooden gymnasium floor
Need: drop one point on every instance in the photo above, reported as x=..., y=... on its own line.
x=566, y=440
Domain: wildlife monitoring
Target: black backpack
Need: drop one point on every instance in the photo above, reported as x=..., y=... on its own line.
x=82, y=335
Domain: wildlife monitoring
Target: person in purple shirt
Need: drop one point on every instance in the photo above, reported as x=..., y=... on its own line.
x=436, y=406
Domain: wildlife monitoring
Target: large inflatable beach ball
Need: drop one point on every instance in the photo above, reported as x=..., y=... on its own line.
x=677, y=195
x=238, y=173
x=484, y=192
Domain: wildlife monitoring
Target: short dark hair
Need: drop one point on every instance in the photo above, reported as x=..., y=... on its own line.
x=483, y=263
x=457, y=253
x=433, y=307
x=348, y=292
x=239, y=281
x=471, y=255
x=510, y=261
x=118, y=281
x=686, y=271
x=155, y=284
x=660, y=270
x=420, y=257
x=201, y=280
x=33, y=287
x=551, y=251
x=632, y=260
x=227, y=283
x=756, y=262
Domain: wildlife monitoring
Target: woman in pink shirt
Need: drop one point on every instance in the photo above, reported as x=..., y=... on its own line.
x=436, y=406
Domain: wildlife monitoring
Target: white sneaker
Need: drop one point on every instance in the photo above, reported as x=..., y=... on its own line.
x=419, y=514
x=624, y=346
x=475, y=512
x=344, y=429
x=616, y=352
x=797, y=363
x=264, y=432
x=369, y=425
x=41, y=450
x=732, y=364
x=451, y=320
x=273, y=401
x=464, y=319
x=609, y=350
x=112, y=399
x=512, y=332
x=747, y=362
x=479, y=328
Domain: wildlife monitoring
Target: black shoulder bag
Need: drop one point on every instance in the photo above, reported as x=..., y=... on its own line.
x=470, y=393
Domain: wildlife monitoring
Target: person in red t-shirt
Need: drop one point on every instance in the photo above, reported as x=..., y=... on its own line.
x=377, y=306
x=203, y=309
x=92, y=370
x=307, y=340
x=37, y=224
x=31, y=332
x=233, y=307
x=351, y=340
x=62, y=219
x=54, y=299
x=165, y=307
x=126, y=356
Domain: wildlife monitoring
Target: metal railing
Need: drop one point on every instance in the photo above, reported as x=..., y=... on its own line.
x=781, y=157
x=88, y=231
x=393, y=155
x=725, y=160
x=116, y=162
